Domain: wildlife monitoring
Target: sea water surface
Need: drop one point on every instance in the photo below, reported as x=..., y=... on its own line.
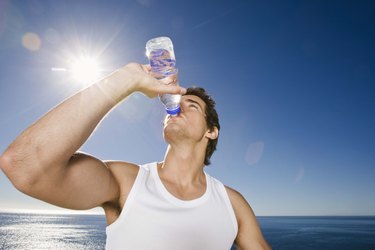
x=51, y=231
x=72, y=231
x=319, y=232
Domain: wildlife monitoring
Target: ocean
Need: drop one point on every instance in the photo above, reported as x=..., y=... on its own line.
x=51, y=231
x=71, y=231
x=319, y=232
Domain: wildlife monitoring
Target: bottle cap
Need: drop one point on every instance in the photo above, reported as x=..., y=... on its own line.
x=175, y=111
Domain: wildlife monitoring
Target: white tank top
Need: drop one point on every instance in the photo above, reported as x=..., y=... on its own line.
x=152, y=218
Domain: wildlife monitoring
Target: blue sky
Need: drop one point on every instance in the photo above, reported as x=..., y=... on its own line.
x=293, y=81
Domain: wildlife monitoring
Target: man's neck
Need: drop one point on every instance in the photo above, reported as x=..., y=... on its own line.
x=183, y=164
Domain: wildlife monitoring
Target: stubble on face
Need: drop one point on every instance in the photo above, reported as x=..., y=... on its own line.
x=173, y=130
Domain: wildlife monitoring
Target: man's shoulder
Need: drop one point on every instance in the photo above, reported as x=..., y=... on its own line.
x=122, y=168
x=124, y=173
x=238, y=201
x=234, y=194
x=249, y=234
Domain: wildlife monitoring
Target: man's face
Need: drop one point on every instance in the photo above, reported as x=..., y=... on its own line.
x=190, y=123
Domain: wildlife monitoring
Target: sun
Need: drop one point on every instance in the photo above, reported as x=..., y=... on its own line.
x=84, y=69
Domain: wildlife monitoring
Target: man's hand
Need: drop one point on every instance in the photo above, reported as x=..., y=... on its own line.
x=143, y=81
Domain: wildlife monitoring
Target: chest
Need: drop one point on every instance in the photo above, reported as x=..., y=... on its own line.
x=167, y=226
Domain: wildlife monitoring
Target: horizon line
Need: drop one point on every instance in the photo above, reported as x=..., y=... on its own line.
x=50, y=211
x=88, y=212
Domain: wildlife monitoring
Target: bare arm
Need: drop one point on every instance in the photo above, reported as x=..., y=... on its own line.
x=42, y=161
x=249, y=234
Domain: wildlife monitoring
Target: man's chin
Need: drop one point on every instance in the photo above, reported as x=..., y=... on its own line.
x=172, y=131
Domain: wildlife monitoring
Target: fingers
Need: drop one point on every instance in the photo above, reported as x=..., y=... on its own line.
x=171, y=89
x=170, y=80
x=167, y=85
x=171, y=83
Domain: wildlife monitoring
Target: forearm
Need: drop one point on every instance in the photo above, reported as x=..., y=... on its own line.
x=53, y=139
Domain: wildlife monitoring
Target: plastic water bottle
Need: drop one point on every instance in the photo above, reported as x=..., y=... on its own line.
x=163, y=63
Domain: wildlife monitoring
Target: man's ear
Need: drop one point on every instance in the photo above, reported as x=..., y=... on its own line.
x=212, y=133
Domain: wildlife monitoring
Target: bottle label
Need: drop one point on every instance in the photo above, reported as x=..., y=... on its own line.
x=162, y=64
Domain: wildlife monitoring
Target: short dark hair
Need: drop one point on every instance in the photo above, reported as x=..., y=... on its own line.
x=212, y=118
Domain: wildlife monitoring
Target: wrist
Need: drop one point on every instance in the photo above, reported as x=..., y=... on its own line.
x=118, y=85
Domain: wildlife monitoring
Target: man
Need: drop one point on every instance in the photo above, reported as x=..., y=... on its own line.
x=168, y=205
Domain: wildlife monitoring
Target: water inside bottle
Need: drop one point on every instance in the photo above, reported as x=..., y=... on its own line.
x=162, y=64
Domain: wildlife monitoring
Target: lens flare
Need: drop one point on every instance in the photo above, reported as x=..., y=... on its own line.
x=31, y=41
x=254, y=152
